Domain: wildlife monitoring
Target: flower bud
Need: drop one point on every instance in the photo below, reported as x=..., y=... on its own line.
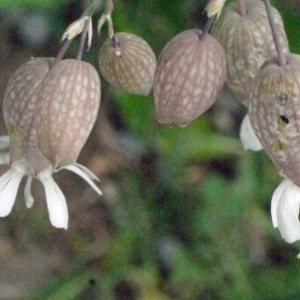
x=127, y=62
x=189, y=77
x=247, y=41
x=274, y=113
x=19, y=108
x=67, y=106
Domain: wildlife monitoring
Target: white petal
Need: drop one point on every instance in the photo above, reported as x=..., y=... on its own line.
x=275, y=200
x=288, y=206
x=56, y=202
x=82, y=173
x=9, y=184
x=27, y=193
x=4, y=141
x=87, y=172
x=248, y=137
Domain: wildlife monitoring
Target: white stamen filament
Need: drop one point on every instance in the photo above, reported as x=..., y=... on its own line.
x=27, y=193
x=9, y=185
x=56, y=202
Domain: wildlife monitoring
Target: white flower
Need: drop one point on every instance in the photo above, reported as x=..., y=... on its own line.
x=56, y=202
x=285, y=210
x=248, y=136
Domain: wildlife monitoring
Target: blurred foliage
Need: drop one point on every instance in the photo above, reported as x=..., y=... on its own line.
x=193, y=218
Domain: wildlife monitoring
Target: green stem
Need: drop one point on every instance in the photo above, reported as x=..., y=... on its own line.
x=62, y=52
x=280, y=55
x=207, y=28
x=242, y=8
x=82, y=40
x=88, y=12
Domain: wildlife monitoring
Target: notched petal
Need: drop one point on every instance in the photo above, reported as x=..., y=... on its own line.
x=86, y=174
x=9, y=184
x=56, y=202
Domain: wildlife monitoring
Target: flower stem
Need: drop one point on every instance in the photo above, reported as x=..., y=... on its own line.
x=82, y=40
x=280, y=55
x=62, y=52
x=207, y=28
x=88, y=12
x=242, y=8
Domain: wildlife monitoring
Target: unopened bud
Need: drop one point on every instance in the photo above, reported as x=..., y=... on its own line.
x=189, y=77
x=66, y=109
x=127, y=62
x=247, y=42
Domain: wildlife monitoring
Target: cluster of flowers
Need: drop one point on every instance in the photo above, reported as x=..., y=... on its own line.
x=49, y=109
x=264, y=76
x=51, y=105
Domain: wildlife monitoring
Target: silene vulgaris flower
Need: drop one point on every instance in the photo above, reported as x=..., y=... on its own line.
x=47, y=137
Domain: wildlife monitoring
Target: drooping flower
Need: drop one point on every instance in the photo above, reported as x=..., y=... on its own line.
x=274, y=113
x=246, y=38
x=70, y=116
x=247, y=42
x=127, y=62
x=66, y=109
x=189, y=77
x=18, y=111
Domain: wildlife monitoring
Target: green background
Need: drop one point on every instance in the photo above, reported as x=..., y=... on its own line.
x=185, y=212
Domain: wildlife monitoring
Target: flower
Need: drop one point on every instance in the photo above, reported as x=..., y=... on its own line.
x=31, y=157
x=189, y=77
x=127, y=62
x=285, y=210
x=247, y=42
x=248, y=136
x=56, y=202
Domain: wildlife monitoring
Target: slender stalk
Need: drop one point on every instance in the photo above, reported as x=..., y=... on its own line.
x=62, y=52
x=207, y=27
x=88, y=12
x=281, y=59
x=242, y=8
x=82, y=40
